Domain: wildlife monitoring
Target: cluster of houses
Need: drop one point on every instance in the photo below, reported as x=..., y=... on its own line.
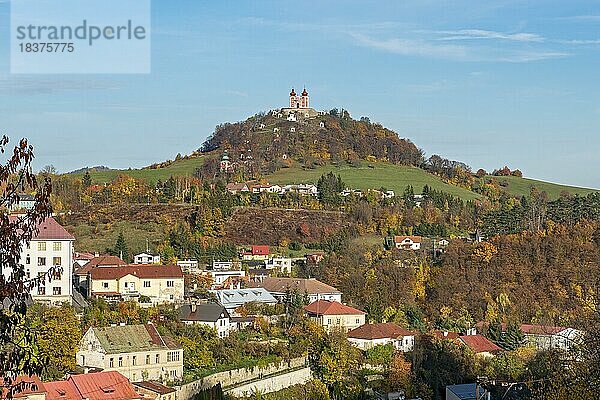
x=135, y=359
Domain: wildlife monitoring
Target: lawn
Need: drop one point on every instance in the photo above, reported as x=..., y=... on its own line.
x=372, y=176
x=177, y=168
x=522, y=187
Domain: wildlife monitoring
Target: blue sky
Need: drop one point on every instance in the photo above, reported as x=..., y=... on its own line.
x=510, y=82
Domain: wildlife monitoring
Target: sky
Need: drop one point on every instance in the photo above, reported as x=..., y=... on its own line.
x=489, y=83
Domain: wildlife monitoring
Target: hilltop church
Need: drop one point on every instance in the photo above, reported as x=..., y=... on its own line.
x=299, y=107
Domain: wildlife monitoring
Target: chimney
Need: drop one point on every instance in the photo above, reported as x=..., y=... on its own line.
x=122, y=324
x=445, y=333
x=193, y=307
x=96, y=254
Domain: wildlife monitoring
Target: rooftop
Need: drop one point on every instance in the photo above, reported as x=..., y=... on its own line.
x=326, y=307
x=149, y=271
x=205, y=312
x=282, y=285
x=155, y=387
x=379, y=331
x=132, y=338
x=479, y=344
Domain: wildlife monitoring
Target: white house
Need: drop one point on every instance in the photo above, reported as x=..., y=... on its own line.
x=160, y=283
x=333, y=315
x=188, y=265
x=283, y=264
x=209, y=314
x=146, y=258
x=408, y=242
x=25, y=202
x=218, y=265
x=311, y=288
x=231, y=299
x=49, y=254
x=219, y=277
x=138, y=352
x=368, y=336
x=552, y=337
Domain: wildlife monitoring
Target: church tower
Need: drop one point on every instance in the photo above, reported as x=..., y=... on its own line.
x=293, y=99
x=304, y=100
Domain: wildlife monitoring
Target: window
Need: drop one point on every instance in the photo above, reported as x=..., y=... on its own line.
x=134, y=360
x=148, y=359
x=41, y=261
x=171, y=297
x=328, y=321
x=146, y=283
x=57, y=246
x=41, y=246
x=120, y=361
x=357, y=321
x=56, y=273
x=56, y=261
x=104, y=285
x=170, y=283
x=41, y=290
x=172, y=356
x=27, y=274
x=28, y=260
x=158, y=358
x=173, y=373
x=111, y=363
x=56, y=291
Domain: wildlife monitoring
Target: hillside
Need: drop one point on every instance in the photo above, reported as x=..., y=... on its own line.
x=372, y=176
x=522, y=187
x=182, y=167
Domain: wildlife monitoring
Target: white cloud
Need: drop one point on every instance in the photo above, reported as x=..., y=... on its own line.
x=21, y=85
x=413, y=47
x=472, y=34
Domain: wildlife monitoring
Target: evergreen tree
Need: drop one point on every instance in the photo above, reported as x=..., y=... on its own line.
x=87, y=179
x=120, y=249
x=329, y=187
x=512, y=338
x=409, y=197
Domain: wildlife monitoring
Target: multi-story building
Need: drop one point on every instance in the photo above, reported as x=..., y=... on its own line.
x=332, y=315
x=210, y=314
x=49, y=255
x=138, y=352
x=313, y=289
x=159, y=283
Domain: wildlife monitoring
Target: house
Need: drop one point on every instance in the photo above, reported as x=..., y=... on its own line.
x=109, y=385
x=188, y=265
x=231, y=299
x=210, y=314
x=445, y=335
x=443, y=243
x=235, y=188
x=24, y=202
x=138, y=352
x=282, y=264
x=479, y=344
x=152, y=390
x=315, y=257
x=218, y=265
x=146, y=258
x=332, y=315
x=24, y=387
x=368, y=336
x=466, y=391
x=159, y=283
x=80, y=276
x=259, y=253
x=49, y=254
x=551, y=337
x=93, y=386
x=80, y=259
x=220, y=277
x=307, y=189
x=408, y=242
x=315, y=290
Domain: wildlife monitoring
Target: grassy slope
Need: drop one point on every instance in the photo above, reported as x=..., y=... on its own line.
x=386, y=175
x=522, y=187
x=177, y=168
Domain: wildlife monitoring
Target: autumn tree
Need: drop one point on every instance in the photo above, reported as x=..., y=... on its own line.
x=16, y=176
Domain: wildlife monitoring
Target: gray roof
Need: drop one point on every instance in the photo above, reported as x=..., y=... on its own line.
x=233, y=298
x=466, y=391
x=205, y=312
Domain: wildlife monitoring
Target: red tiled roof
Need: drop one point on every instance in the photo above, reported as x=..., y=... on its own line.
x=23, y=386
x=541, y=329
x=479, y=344
x=399, y=239
x=49, y=229
x=62, y=390
x=148, y=271
x=155, y=387
x=379, y=331
x=101, y=261
x=109, y=385
x=326, y=307
x=260, y=250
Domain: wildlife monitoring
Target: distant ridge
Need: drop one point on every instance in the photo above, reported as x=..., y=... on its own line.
x=98, y=168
